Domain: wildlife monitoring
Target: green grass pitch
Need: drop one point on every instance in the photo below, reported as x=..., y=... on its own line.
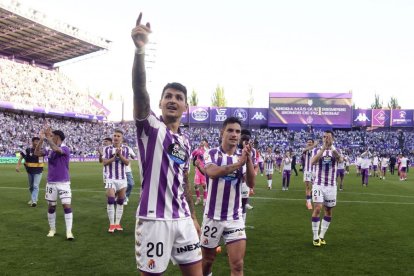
x=372, y=230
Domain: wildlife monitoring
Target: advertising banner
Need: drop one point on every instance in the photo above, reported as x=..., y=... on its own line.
x=218, y=115
x=242, y=114
x=258, y=116
x=315, y=109
x=402, y=118
x=380, y=118
x=37, y=109
x=362, y=117
x=184, y=117
x=199, y=115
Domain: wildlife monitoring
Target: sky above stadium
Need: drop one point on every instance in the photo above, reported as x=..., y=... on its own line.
x=363, y=46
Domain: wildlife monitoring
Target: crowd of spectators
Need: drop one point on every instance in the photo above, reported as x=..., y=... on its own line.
x=30, y=85
x=84, y=137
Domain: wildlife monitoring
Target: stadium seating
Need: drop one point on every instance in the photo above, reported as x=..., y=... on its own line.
x=30, y=85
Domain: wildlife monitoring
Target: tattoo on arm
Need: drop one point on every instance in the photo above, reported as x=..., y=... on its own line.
x=141, y=96
x=188, y=195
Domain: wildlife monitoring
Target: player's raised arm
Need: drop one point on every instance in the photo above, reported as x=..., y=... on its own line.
x=139, y=35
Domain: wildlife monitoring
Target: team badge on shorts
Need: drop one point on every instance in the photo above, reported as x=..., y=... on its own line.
x=151, y=264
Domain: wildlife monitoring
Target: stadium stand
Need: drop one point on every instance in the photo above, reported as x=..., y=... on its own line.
x=31, y=46
x=83, y=137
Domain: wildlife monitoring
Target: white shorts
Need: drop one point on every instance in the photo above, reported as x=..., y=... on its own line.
x=61, y=189
x=230, y=230
x=324, y=194
x=307, y=176
x=268, y=172
x=116, y=184
x=245, y=190
x=158, y=241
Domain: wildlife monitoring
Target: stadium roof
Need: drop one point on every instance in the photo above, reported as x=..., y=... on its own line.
x=30, y=35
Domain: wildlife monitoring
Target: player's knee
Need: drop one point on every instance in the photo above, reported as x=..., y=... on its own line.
x=120, y=201
x=111, y=200
x=237, y=265
x=51, y=209
x=209, y=255
x=67, y=210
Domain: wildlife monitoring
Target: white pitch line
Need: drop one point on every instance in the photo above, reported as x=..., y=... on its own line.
x=338, y=201
x=256, y=197
x=339, y=192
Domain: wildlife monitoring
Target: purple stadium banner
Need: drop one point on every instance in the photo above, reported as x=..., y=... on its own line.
x=36, y=109
x=199, y=115
x=402, y=117
x=241, y=113
x=98, y=105
x=258, y=116
x=380, y=118
x=316, y=109
x=362, y=117
x=184, y=117
x=219, y=114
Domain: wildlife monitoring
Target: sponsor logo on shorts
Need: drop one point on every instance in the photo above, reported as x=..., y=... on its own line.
x=205, y=242
x=188, y=248
x=330, y=201
x=63, y=192
x=233, y=231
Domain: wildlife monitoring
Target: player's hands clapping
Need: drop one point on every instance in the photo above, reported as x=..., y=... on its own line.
x=140, y=33
x=246, y=153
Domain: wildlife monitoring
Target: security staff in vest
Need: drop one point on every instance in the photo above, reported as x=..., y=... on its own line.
x=34, y=169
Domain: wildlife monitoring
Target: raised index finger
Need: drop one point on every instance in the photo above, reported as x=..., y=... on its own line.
x=139, y=19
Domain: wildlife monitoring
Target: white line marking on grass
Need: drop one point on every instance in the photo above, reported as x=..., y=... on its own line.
x=257, y=197
x=339, y=201
x=341, y=192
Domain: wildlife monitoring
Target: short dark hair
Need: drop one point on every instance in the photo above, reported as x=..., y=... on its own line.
x=205, y=140
x=310, y=139
x=245, y=135
x=60, y=134
x=245, y=132
x=231, y=120
x=35, y=139
x=331, y=132
x=118, y=131
x=176, y=86
x=108, y=139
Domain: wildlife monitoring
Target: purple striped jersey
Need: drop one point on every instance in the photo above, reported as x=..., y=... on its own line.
x=224, y=193
x=308, y=156
x=116, y=169
x=163, y=160
x=325, y=169
x=269, y=160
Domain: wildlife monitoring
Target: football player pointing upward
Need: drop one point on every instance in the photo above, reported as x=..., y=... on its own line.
x=166, y=211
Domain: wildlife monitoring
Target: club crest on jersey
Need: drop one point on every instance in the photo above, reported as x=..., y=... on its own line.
x=177, y=153
x=230, y=177
x=327, y=160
